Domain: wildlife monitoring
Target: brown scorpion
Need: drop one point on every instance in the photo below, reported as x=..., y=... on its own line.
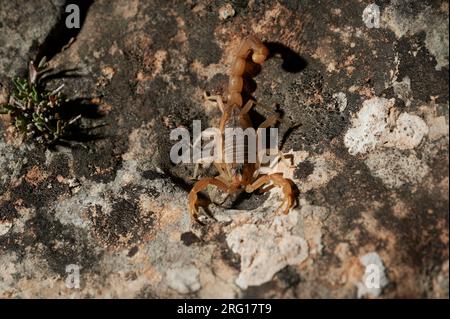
x=235, y=177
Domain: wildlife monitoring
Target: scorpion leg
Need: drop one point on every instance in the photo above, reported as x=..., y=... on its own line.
x=277, y=180
x=246, y=108
x=198, y=187
x=272, y=120
x=215, y=98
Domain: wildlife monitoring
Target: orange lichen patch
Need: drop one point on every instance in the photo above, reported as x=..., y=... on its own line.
x=407, y=277
x=137, y=145
x=208, y=71
x=353, y=270
x=35, y=176
x=159, y=58
x=168, y=214
x=140, y=44
x=168, y=122
x=442, y=228
x=279, y=15
x=114, y=49
x=108, y=72
x=349, y=272
x=102, y=108
x=325, y=54
x=317, y=98
x=336, y=11
x=153, y=66
x=199, y=9
x=348, y=64
x=140, y=76
x=362, y=90
x=180, y=37
x=12, y=136
x=152, y=275
x=400, y=209
x=5, y=197
x=371, y=225
x=102, y=170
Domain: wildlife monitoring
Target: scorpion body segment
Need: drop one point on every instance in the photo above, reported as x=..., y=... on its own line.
x=236, y=82
x=240, y=174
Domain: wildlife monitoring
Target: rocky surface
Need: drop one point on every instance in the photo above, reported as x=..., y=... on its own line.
x=365, y=119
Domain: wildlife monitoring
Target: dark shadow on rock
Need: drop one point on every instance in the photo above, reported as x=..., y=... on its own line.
x=60, y=35
x=288, y=133
x=72, y=112
x=83, y=107
x=49, y=75
x=292, y=62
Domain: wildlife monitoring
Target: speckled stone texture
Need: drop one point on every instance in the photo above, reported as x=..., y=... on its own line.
x=364, y=116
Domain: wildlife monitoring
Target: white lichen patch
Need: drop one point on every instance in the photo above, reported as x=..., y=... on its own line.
x=369, y=126
x=10, y=162
x=312, y=219
x=5, y=226
x=395, y=168
x=376, y=126
x=433, y=23
x=19, y=224
x=326, y=167
x=341, y=101
x=217, y=281
x=7, y=270
x=183, y=279
x=408, y=133
x=266, y=249
x=374, y=278
x=38, y=281
x=371, y=16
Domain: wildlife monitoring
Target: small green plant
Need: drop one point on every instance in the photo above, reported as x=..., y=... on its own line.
x=35, y=111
